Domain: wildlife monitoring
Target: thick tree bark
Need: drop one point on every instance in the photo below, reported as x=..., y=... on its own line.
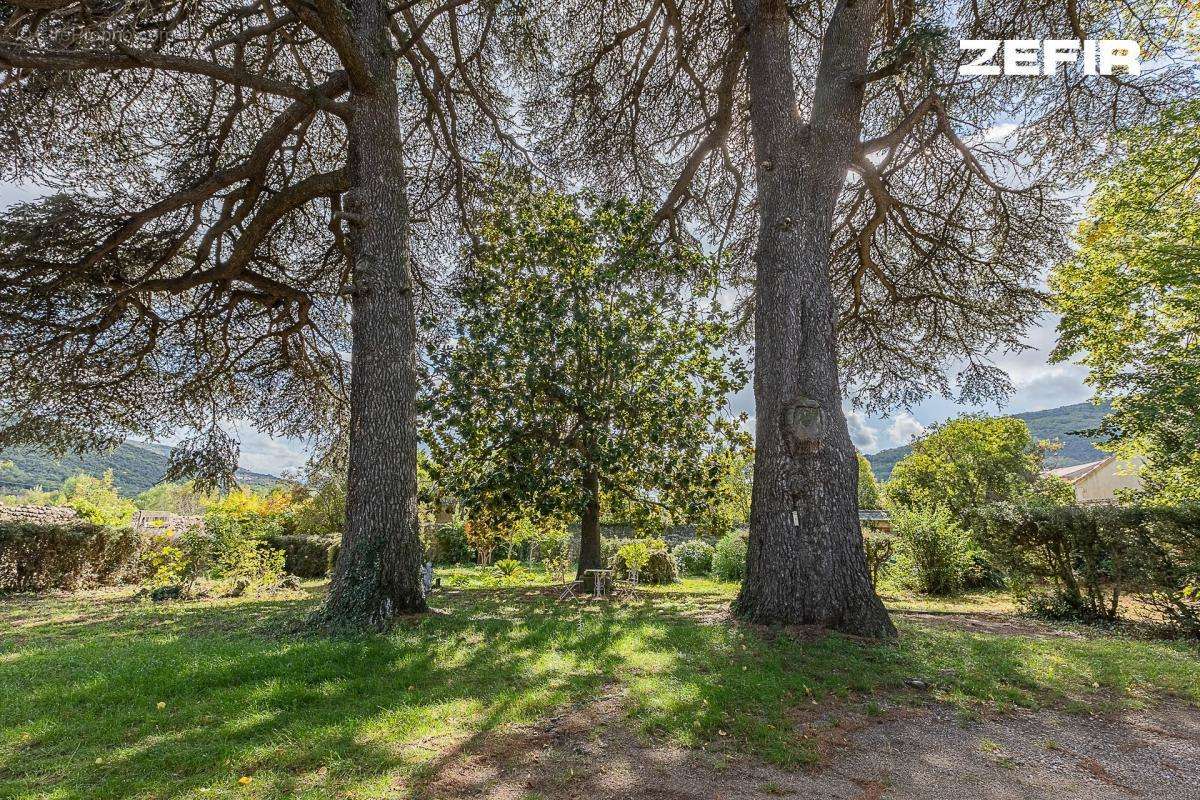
x=806, y=563
x=589, y=531
x=377, y=575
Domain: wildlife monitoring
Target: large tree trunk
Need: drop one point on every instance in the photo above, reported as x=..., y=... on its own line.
x=806, y=563
x=377, y=575
x=589, y=532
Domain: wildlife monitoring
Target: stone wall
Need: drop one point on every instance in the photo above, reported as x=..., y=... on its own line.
x=38, y=515
x=162, y=521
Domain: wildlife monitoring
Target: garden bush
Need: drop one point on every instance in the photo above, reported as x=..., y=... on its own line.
x=1078, y=562
x=447, y=544
x=729, y=557
x=934, y=555
x=552, y=547
x=635, y=556
x=243, y=560
x=304, y=556
x=233, y=562
x=165, y=565
x=694, y=558
x=245, y=514
x=507, y=567
x=659, y=567
x=879, y=548
x=35, y=557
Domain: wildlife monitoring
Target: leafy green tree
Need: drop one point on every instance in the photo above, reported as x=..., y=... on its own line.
x=584, y=361
x=729, y=503
x=965, y=464
x=1130, y=301
x=869, y=495
x=174, y=498
x=96, y=499
x=1051, y=491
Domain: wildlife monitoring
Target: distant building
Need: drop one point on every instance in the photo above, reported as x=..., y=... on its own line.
x=1099, y=481
x=875, y=519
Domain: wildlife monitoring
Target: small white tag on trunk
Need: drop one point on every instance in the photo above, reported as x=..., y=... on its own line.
x=796, y=519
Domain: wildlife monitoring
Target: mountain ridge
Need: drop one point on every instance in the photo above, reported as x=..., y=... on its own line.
x=1063, y=423
x=136, y=466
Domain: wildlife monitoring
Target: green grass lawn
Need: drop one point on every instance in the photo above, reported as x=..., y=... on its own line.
x=102, y=696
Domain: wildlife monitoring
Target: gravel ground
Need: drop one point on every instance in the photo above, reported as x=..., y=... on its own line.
x=925, y=752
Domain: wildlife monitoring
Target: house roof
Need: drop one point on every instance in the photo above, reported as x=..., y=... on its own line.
x=873, y=515
x=1079, y=471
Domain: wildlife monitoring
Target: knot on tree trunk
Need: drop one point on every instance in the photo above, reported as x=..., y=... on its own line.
x=802, y=426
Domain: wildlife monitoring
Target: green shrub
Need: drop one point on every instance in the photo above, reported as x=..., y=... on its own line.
x=1079, y=561
x=1052, y=605
x=879, y=548
x=553, y=548
x=694, y=558
x=634, y=555
x=304, y=556
x=507, y=567
x=244, y=525
x=448, y=544
x=224, y=555
x=241, y=559
x=934, y=554
x=165, y=566
x=729, y=558
x=320, y=510
x=36, y=557
x=659, y=567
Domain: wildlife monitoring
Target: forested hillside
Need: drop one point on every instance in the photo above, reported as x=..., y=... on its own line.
x=136, y=466
x=1063, y=423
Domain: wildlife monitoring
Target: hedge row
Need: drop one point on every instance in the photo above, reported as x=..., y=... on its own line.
x=35, y=557
x=1094, y=556
x=305, y=556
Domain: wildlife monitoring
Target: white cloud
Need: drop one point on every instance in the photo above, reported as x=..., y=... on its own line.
x=11, y=193
x=904, y=428
x=864, y=436
x=1000, y=132
x=261, y=453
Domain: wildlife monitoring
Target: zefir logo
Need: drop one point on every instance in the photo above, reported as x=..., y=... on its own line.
x=1043, y=57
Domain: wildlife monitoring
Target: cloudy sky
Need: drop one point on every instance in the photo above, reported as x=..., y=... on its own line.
x=1038, y=386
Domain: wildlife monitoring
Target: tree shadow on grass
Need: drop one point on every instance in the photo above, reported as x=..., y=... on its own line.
x=297, y=715
x=318, y=717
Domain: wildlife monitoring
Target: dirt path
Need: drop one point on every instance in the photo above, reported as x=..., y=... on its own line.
x=896, y=752
x=901, y=752
x=992, y=623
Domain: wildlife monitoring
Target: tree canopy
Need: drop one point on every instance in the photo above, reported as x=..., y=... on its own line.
x=1130, y=301
x=233, y=236
x=869, y=495
x=585, y=359
x=965, y=464
x=959, y=189
x=884, y=219
x=191, y=265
